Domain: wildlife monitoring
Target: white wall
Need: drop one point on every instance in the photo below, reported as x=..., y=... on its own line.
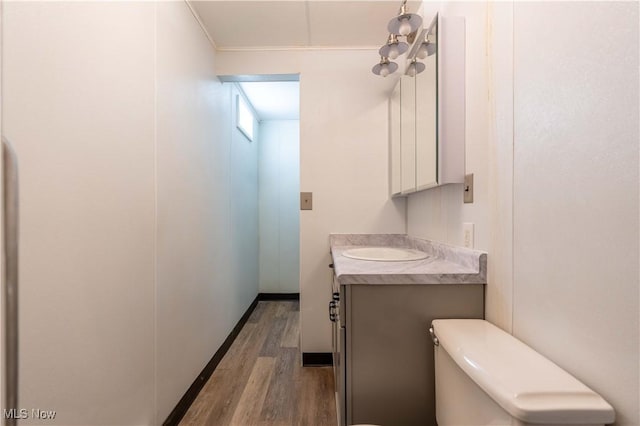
x=137, y=254
x=576, y=230
x=207, y=183
x=343, y=161
x=439, y=213
x=279, y=206
x=78, y=86
x=558, y=174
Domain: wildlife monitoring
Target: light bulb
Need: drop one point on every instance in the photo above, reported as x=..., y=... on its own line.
x=411, y=71
x=422, y=51
x=394, y=52
x=384, y=70
x=405, y=27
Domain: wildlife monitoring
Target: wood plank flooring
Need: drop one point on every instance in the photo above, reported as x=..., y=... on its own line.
x=261, y=382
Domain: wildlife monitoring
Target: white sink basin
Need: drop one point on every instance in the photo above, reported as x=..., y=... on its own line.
x=385, y=254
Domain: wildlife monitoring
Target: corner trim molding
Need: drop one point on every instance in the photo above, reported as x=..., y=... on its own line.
x=196, y=15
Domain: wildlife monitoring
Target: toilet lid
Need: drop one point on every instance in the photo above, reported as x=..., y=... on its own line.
x=524, y=383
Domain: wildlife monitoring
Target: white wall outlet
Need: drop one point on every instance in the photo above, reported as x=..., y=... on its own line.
x=467, y=235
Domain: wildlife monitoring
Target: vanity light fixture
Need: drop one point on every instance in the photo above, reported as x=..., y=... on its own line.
x=422, y=49
x=415, y=67
x=405, y=23
x=426, y=49
x=393, y=48
x=385, y=67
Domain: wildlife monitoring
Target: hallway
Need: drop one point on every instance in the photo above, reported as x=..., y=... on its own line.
x=260, y=381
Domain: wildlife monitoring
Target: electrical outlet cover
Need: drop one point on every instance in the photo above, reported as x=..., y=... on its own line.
x=467, y=235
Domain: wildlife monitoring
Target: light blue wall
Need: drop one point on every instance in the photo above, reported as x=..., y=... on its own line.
x=279, y=188
x=243, y=209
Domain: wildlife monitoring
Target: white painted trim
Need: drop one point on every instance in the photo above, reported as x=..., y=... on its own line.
x=199, y=21
x=156, y=209
x=296, y=48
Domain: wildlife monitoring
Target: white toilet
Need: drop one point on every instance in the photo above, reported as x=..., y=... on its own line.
x=485, y=376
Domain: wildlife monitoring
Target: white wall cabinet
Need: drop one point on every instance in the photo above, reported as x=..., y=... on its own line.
x=430, y=115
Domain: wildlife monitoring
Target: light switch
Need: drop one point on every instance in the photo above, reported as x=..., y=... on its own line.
x=306, y=201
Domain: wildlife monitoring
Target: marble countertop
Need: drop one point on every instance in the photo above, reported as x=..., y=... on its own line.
x=445, y=265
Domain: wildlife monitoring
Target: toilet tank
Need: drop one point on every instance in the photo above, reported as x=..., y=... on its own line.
x=485, y=376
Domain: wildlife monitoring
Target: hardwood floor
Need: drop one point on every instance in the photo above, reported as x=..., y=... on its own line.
x=261, y=382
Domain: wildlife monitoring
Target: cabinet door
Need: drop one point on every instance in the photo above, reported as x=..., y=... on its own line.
x=391, y=351
x=395, y=173
x=408, y=133
x=426, y=125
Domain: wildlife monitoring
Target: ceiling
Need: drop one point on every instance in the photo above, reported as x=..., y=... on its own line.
x=266, y=24
x=240, y=24
x=274, y=100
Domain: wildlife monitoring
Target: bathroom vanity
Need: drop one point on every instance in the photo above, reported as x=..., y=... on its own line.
x=381, y=312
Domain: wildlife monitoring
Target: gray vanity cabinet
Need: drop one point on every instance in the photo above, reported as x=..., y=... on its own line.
x=385, y=371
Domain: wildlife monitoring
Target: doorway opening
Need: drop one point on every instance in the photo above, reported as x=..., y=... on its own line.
x=276, y=109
